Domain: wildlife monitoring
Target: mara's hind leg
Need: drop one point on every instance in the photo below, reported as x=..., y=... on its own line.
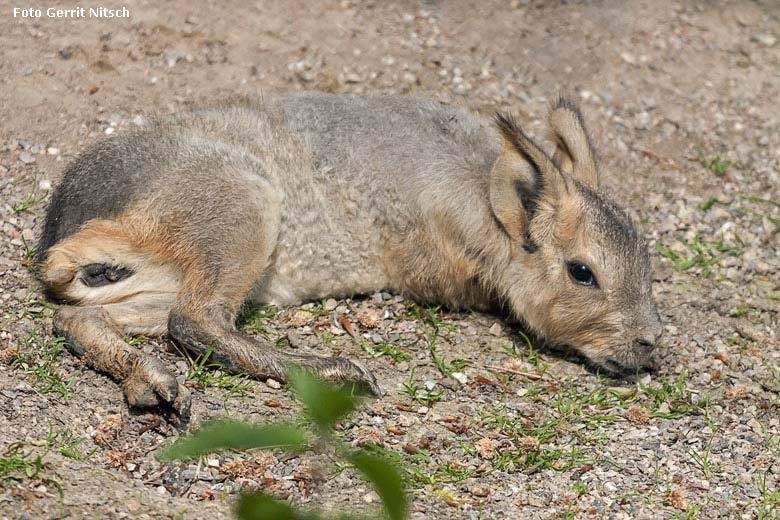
x=203, y=318
x=223, y=248
x=114, y=289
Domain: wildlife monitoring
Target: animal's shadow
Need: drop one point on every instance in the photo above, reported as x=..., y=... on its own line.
x=562, y=352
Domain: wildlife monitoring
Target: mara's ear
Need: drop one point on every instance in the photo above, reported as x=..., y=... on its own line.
x=520, y=176
x=574, y=152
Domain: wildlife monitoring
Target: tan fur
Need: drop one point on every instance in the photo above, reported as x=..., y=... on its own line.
x=315, y=196
x=574, y=152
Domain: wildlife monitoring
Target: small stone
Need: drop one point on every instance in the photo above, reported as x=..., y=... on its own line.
x=460, y=377
x=26, y=157
x=330, y=304
x=628, y=58
x=352, y=78
x=767, y=40
x=52, y=150
x=273, y=383
x=496, y=329
x=171, y=56
x=480, y=491
x=214, y=463
x=109, y=130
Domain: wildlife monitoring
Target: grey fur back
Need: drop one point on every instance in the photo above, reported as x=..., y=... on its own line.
x=400, y=141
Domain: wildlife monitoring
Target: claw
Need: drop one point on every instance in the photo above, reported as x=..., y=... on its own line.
x=151, y=384
x=182, y=405
x=139, y=394
x=156, y=375
x=367, y=378
x=339, y=370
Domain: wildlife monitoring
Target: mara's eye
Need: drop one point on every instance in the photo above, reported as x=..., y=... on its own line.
x=581, y=274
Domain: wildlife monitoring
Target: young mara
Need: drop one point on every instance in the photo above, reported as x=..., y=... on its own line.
x=173, y=227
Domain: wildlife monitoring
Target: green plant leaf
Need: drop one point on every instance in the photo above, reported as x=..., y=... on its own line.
x=259, y=506
x=386, y=481
x=326, y=404
x=235, y=435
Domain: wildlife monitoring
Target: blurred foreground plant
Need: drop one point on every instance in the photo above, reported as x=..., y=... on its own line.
x=324, y=406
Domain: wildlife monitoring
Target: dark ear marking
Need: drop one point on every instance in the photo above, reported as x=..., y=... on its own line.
x=529, y=194
x=529, y=246
x=514, y=135
x=566, y=103
x=521, y=176
x=540, y=162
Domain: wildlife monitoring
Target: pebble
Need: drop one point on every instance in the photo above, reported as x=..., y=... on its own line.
x=273, y=383
x=460, y=377
x=26, y=157
x=628, y=58
x=765, y=39
x=480, y=491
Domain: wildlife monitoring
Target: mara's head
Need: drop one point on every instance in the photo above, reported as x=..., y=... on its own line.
x=580, y=272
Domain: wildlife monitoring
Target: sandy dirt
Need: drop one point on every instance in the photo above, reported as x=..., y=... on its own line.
x=682, y=98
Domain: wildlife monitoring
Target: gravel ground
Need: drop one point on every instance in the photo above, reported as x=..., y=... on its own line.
x=682, y=99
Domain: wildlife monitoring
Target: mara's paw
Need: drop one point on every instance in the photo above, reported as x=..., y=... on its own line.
x=151, y=384
x=340, y=370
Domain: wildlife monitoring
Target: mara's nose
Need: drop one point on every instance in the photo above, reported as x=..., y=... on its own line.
x=649, y=337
